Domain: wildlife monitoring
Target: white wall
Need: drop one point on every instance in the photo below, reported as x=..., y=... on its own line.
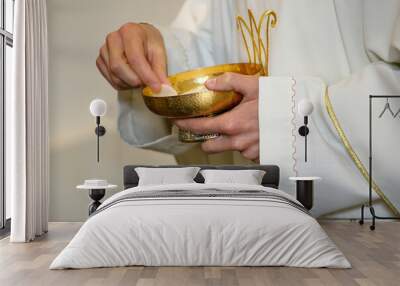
x=77, y=29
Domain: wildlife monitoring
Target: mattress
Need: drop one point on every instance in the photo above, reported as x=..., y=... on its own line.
x=201, y=225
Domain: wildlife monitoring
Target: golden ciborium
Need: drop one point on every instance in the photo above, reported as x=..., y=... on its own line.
x=193, y=99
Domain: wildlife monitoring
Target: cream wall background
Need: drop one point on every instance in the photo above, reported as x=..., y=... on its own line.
x=76, y=31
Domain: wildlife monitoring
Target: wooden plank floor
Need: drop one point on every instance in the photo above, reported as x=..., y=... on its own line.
x=375, y=257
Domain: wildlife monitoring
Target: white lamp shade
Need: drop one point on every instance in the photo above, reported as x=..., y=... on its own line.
x=98, y=107
x=305, y=107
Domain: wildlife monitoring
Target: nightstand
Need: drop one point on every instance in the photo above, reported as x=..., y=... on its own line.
x=305, y=190
x=97, y=190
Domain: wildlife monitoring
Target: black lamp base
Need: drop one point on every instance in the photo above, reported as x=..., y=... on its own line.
x=305, y=190
x=305, y=193
x=96, y=195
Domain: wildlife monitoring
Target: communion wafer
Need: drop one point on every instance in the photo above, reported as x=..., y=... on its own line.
x=166, y=90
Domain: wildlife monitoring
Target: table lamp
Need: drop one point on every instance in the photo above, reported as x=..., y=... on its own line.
x=98, y=108
x=305, y=185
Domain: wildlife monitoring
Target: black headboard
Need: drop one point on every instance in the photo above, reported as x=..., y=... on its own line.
x=270, y=179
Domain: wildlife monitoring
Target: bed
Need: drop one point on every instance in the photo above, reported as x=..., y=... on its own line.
x=198, y=224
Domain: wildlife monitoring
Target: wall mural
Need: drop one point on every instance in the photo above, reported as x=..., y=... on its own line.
x=252, y=85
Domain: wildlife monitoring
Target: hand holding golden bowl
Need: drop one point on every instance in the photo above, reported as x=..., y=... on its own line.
x=194, y=99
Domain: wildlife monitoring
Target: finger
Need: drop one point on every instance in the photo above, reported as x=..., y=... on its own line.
x=104, y=55
x=252, y=153
x=244, y=84
x=106, y=60
x=156, y=52
x=136, y=56
x=226, y=143
x=223, y=123
x=217, y=145
x=159, y=65
x=104, y=71
x=117, y=61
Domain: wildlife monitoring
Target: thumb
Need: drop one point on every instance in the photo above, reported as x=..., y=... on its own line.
x=159, y=66
x=244, y=84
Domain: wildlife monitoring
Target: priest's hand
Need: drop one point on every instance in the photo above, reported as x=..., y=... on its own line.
x=238, y=128
x=132, y=56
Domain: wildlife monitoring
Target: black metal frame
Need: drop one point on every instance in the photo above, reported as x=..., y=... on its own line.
x=370, y=205
x=6, y=39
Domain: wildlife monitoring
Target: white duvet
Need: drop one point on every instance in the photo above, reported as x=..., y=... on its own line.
x=200, y=231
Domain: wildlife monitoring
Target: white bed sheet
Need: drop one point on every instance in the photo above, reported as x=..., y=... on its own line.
x=200, y=231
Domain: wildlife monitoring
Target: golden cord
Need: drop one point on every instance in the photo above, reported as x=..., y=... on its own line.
x=260, y=48
x=353, y=155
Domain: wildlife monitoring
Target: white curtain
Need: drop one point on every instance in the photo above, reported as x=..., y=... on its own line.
x=27, y=123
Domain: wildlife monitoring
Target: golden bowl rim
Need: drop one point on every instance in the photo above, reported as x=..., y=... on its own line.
x=198, y=72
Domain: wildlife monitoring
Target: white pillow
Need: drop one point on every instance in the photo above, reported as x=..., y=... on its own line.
x=247, y=177
x=163, y=176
